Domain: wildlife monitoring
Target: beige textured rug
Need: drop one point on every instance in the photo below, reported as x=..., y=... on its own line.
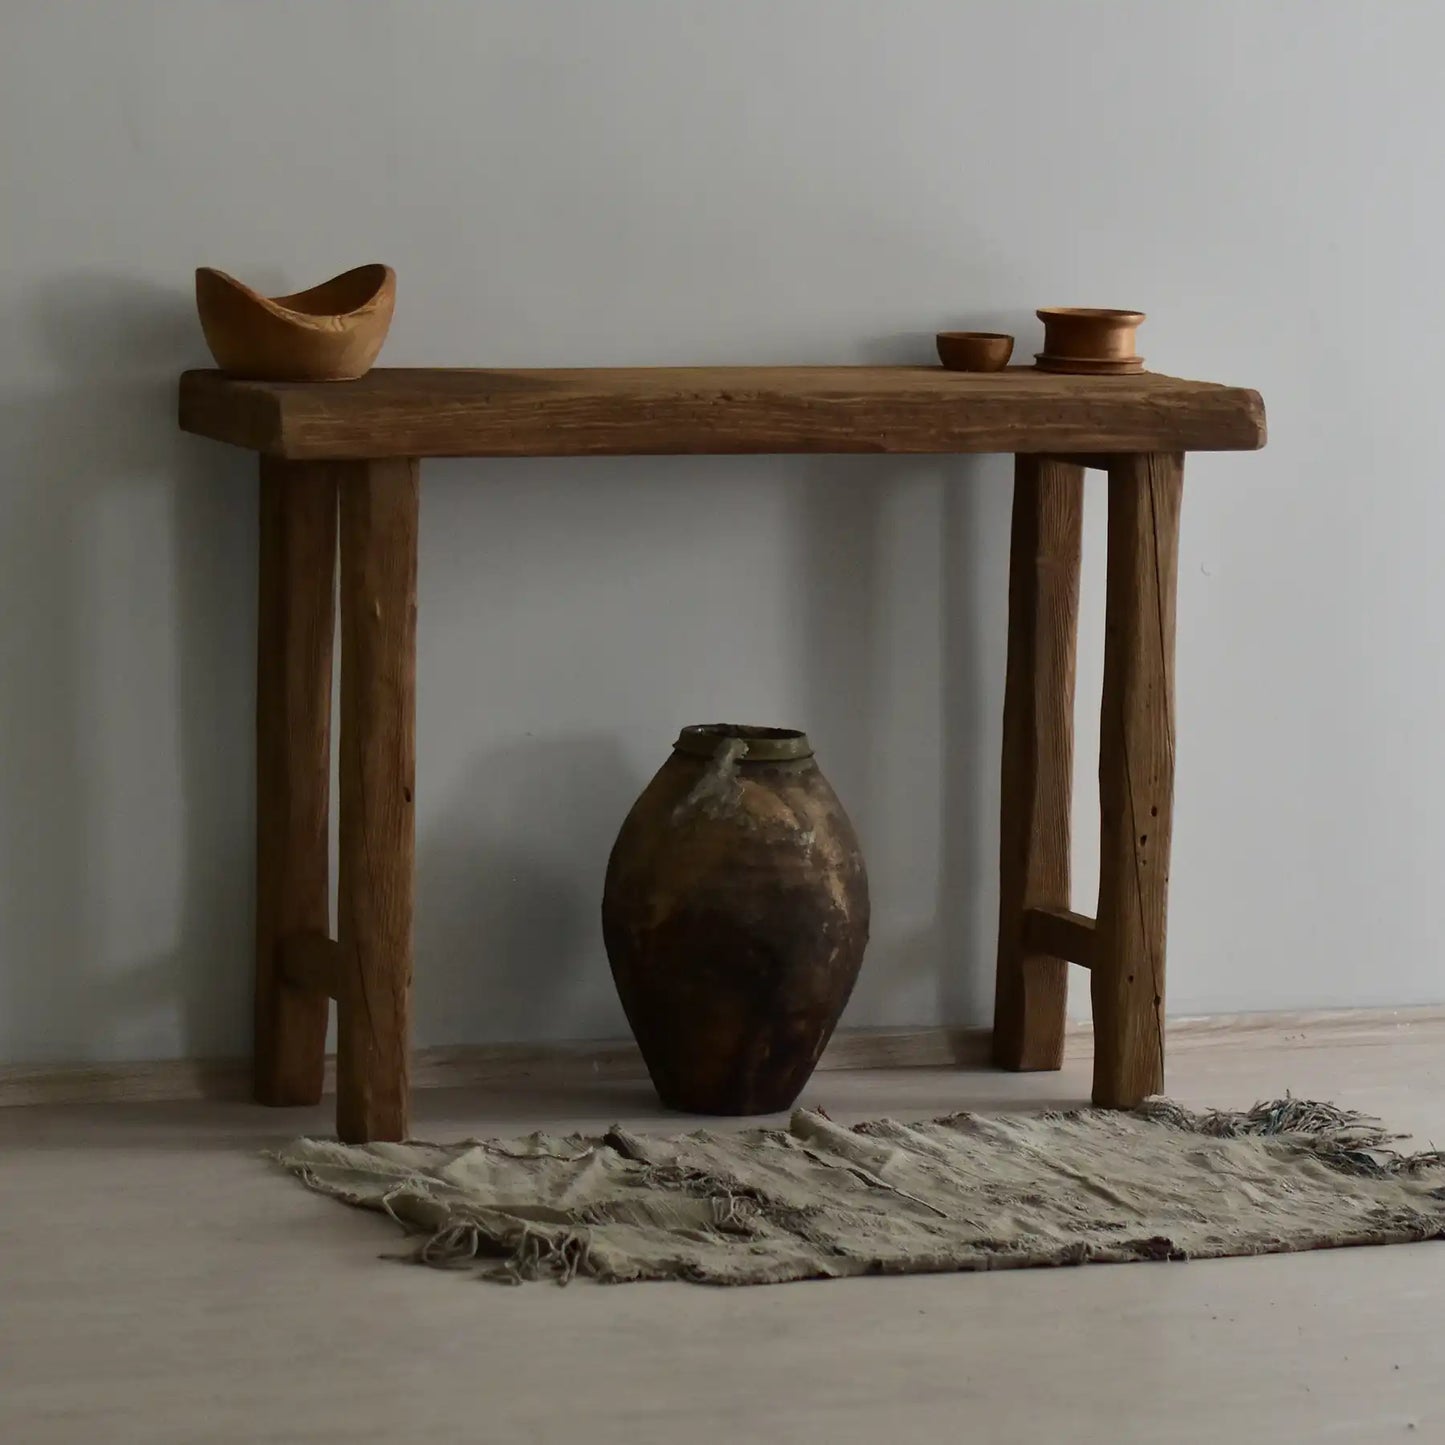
x=817, y=1200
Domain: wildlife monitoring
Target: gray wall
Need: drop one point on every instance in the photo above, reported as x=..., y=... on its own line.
x=574, y=182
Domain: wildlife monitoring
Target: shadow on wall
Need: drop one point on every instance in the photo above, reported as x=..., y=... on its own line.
x=509, y=890
x=925, y=803
x=127, y=599
x=978, y=503
x=886, y=637
x=126, y=632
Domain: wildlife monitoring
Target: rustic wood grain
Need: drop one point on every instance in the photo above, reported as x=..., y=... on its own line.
x=717, y=410
x=1038, y=756
x=1136, y=778
x=296, y=618
x=1060, y=933
x=377, y=810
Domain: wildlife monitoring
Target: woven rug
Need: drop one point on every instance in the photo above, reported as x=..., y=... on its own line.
x=967, y=1192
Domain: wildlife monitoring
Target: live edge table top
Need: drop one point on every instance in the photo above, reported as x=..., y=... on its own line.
x=717, y=410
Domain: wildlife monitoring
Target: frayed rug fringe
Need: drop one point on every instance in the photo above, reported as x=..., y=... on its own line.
x=963, y=1192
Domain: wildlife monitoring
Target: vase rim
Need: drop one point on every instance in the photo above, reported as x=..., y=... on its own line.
x=760, y=744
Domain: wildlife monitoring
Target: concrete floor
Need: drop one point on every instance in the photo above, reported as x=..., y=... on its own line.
x=160, y=1283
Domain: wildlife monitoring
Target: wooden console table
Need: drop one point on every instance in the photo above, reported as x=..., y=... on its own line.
x=352, y=449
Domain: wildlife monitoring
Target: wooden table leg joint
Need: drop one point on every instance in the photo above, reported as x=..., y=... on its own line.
x=299, y=967
x=1123, y=947
x=1032, y=984
x=311, y=963
x=1060, y=933
x=1091, y=461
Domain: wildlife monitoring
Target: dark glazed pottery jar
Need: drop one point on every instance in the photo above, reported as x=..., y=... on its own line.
x=735, y=916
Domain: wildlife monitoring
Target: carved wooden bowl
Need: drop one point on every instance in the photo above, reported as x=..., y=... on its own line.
x=330, y=333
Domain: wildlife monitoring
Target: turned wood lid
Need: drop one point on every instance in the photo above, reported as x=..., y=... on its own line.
x=761, y=745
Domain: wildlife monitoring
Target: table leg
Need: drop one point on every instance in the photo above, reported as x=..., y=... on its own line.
x=1038, y=756
x=296, y=619
x=1136, y=777
x=377, y=776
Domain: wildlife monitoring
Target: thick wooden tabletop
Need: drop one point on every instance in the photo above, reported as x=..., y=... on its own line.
x=608, y=411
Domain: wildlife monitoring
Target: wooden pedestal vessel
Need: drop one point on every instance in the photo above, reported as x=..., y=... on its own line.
x=735, y=916
x=1089, y=341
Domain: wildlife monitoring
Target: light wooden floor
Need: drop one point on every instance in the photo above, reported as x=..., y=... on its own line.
x=158, y=1283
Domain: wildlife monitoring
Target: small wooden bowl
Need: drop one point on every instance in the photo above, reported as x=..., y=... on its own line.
x=1088, y=334
x=974, y=350
x=330, y=333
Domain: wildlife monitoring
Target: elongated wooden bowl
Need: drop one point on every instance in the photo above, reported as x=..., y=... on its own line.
x=330, y=333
